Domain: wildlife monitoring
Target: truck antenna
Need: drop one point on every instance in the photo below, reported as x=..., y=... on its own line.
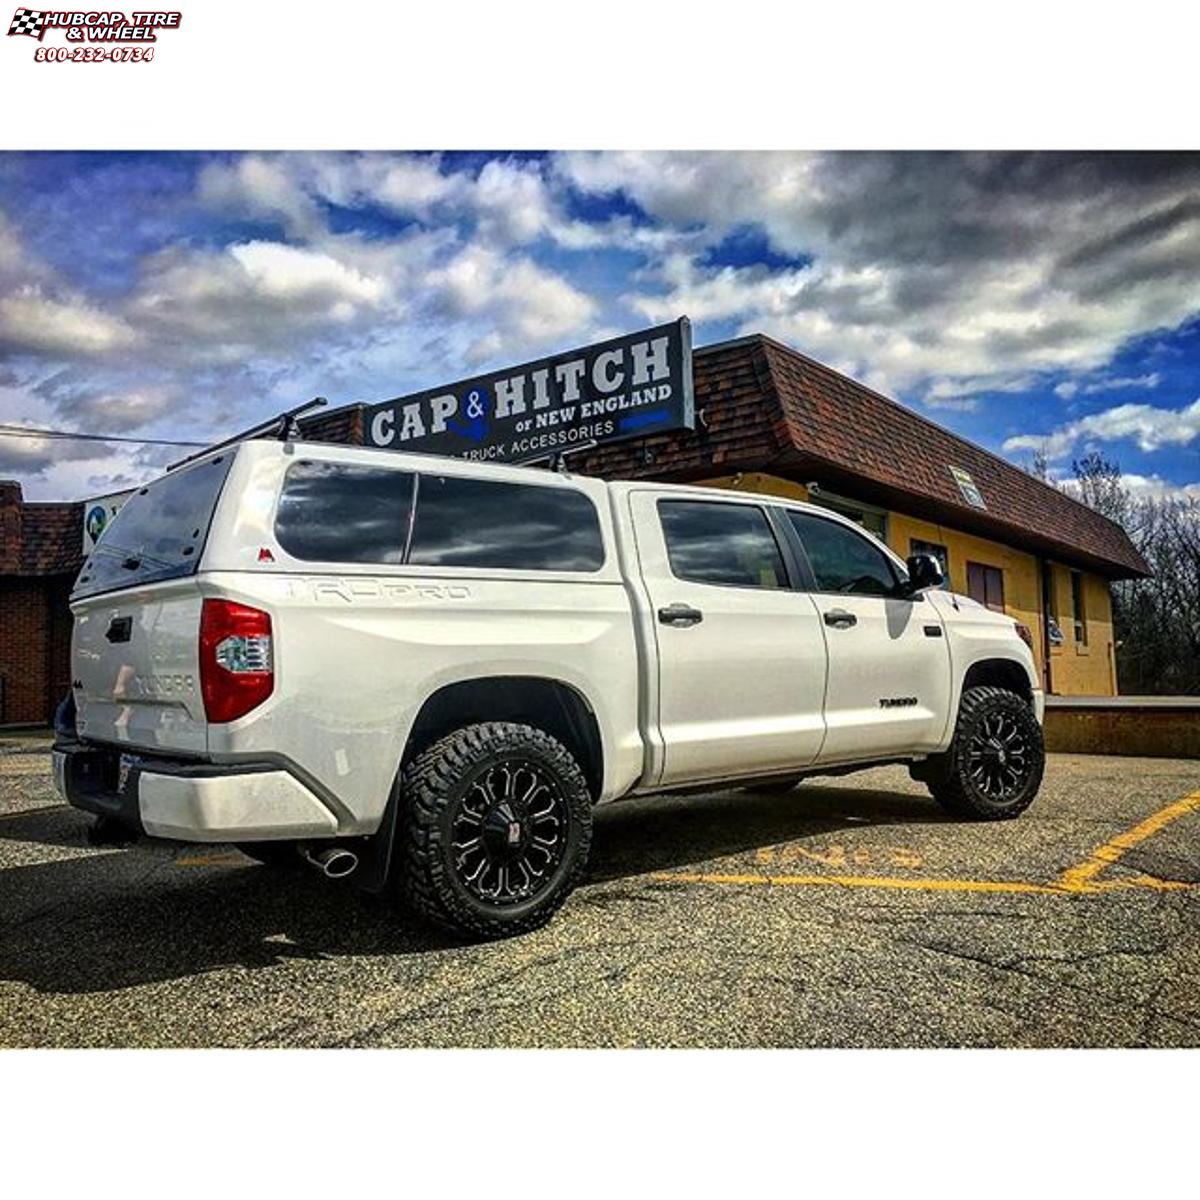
x=286, y=426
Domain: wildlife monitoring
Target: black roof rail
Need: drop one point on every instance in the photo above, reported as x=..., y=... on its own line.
x=288, y=424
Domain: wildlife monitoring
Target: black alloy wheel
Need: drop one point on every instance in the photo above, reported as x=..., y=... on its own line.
x=509, y=832
x=993, y=768
x=496, y=824
x=998, y=756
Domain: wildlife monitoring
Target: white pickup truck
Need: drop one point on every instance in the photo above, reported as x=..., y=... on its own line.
x=425, y=673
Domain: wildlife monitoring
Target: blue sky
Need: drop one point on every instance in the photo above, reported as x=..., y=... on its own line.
x=1028, y=301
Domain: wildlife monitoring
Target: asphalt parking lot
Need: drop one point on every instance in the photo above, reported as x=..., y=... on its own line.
x=850, y=912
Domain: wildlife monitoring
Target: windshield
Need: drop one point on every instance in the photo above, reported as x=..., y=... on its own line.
x=160, y=531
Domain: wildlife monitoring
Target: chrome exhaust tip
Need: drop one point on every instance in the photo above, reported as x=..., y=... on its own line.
x=333, y=862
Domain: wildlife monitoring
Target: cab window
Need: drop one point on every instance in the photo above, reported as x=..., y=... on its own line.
x=729, y=544
x=844, y=561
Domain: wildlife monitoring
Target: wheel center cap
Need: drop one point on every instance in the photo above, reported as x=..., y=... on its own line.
x=504, y=831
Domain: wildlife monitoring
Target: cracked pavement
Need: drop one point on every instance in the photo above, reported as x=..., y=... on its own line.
x=872, y=934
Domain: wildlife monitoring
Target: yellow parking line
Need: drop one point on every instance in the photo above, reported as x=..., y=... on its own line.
x=207, y=860
x=869, y=881
x=1083, y=876
x=1076, y=880
x=1012, y=886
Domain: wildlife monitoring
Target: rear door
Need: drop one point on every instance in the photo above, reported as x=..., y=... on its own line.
x=135, y=644
x=741, y=655
x=889, y=661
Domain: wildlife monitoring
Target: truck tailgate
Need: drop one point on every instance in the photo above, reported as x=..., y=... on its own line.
x=136, y=671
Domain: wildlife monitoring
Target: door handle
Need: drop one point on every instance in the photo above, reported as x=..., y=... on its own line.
x=680, y=615
x=839, y=618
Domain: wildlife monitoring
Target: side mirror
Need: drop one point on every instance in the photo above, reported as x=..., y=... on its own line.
x=924, y=571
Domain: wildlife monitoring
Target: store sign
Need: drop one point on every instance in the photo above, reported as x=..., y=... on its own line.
x=627, y=387
x=967, y=489
x=96, y=515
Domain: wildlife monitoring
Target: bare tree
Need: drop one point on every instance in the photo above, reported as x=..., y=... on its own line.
x=1156, y=620
x=1039, y=466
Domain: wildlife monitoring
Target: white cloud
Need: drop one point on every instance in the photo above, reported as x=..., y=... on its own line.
x=83, y=405
x=1118, y=383
x=1154, y=487
x=1148, y=427
x=260, y=297
x=946, y=278
x=294, y=274
x=29, y=456
x=412, y=185
x=927, y=264
x=33, y=322
x=519, y=298
x=262, y=189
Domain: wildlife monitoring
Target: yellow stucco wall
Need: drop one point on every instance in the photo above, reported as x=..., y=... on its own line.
x=1022, y=588
x=1079, y=670
x=754, y=481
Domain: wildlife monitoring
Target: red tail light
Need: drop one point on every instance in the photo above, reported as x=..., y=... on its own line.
x=236, y=664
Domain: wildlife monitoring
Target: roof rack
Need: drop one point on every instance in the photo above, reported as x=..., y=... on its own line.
x=288, y=424
x=556, y=460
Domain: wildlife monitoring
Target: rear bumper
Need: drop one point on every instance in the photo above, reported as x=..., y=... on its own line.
x=190, y=802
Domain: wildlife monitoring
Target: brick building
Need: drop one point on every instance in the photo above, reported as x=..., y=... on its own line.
x=768, y=419
x=41, y=551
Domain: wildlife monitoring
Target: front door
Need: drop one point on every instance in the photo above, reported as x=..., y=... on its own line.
x=889, y=661
x=741, y=653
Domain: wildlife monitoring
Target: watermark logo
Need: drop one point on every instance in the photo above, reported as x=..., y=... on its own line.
x=28, y=22
x=96, y=36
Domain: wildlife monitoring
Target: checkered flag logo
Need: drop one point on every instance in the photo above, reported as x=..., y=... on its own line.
x=29, y=22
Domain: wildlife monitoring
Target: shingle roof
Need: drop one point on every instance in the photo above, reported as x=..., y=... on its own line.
x=343, y=425
x=762, y=406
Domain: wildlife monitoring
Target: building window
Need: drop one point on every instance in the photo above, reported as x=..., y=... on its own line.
x=934, y=550
x=986, y=585
x=1077, y=609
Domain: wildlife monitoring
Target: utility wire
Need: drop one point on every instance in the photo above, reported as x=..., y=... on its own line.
x=26, y=431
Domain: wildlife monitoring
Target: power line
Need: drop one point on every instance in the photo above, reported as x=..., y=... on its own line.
x=27, y=431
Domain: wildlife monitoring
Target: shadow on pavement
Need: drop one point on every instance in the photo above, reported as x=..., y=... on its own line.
x=660, y=833
x=104, y=921
x=130, y=917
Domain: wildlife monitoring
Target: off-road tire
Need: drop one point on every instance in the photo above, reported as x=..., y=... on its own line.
x=282, y=855
x=432, y=787
x=949, y=776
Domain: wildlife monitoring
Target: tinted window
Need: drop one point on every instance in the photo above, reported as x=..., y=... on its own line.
x=159, y=532
x=730, y=544
x=481, y=523
x=335, y=512
x=842, y=560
